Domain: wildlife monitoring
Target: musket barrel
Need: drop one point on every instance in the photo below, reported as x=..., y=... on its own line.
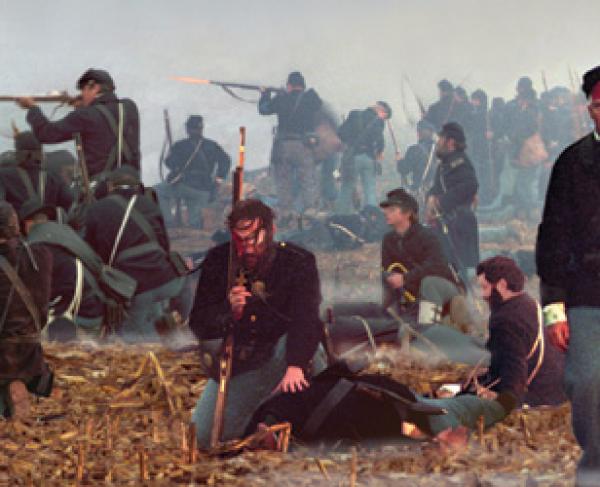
x=226, y=84
x=50, y=98
x=226, y=360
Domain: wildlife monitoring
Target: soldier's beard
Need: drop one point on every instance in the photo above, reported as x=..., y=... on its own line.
x=250, y=261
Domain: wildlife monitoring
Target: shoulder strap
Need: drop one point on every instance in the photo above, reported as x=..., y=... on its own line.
x=539, y=343
x=197, y=149
x=42, y=184
x=335, y=395
x=27, y=182
x=121, y=148
x=136, y=216
x=121, y=229
x=22, y=290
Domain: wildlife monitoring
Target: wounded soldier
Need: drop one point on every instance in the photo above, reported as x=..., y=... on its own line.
x=525, y=368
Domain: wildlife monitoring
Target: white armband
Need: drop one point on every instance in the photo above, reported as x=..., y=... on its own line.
x=554, y=313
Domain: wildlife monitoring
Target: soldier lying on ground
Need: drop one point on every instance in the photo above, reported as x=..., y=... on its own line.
x=524, y=369
x=340, y=232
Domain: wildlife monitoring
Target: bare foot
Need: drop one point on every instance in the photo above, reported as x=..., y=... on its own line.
x=453, y=440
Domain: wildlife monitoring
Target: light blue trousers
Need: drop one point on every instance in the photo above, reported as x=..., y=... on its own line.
x=582, y=385
x=244, y=394
x=363, y=169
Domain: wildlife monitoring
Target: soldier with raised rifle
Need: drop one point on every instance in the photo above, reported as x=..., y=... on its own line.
x=292, y=157
x=198, y=166
x=274, y=310
x=109, y=126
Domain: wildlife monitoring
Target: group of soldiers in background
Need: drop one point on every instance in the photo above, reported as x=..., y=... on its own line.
x=320, y=166
x=524, y=135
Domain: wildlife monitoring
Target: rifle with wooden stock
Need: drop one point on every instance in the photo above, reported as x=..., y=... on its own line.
x=227, y=86
x=61, y=97
x=226, y=360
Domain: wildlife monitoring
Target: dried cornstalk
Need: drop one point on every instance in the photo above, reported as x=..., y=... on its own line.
x=80, y=462
x=526, y=433
x=89, y=429
x=253, y=439
x=353, y=462
x=109, y=433
x=192, y=444
x=480, y=430
x=143, y=461
x=323, y=469
x=155, y=420
x=161, y=377
x=115, y=426
x=184, y=443
x=284, y=437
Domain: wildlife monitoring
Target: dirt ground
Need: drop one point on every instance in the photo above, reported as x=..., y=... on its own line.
x=146, y=393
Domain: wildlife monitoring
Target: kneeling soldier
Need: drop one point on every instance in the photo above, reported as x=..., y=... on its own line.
x=414, y=266
x=24, y=293
x=275, y=316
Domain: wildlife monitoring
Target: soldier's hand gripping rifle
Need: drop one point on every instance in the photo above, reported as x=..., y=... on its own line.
x=226, y=360
x=227, y=86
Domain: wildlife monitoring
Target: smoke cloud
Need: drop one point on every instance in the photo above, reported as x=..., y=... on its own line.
x=353, y=53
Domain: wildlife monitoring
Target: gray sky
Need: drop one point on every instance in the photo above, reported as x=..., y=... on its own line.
x=353, y=52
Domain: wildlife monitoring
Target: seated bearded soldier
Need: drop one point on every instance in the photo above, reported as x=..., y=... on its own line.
x=273, y=310
x=415, y=268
